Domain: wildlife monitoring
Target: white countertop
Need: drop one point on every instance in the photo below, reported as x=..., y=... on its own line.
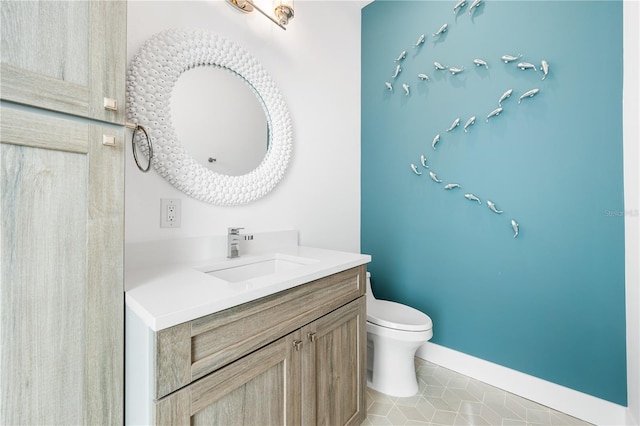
x=167, y=295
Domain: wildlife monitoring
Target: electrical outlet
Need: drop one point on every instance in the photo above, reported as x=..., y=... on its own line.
x=170, y=213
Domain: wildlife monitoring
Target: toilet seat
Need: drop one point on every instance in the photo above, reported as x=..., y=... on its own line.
x=397, y=316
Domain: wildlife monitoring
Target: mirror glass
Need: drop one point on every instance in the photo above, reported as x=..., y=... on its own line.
x=220, y=120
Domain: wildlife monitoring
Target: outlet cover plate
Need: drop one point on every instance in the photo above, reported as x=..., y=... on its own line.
x=170, y=212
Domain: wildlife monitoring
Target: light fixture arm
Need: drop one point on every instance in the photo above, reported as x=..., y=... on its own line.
x=242, y=5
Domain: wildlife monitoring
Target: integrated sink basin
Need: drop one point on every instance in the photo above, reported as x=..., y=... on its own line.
x=243, y=269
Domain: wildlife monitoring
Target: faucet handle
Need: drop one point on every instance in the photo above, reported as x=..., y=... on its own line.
x=234, y=231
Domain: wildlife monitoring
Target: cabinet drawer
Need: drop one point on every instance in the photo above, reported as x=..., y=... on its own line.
x=191, y=350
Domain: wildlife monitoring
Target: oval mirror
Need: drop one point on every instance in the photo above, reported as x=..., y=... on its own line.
x=229, y=136
x=151, y=79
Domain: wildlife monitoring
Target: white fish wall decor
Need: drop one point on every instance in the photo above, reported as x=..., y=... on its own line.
x=420, y=41
x=474, y=6
x=452, y=186
x=439, y=66
x=397, y=71
x=544, y=66
x=504, y=96
x=496, y=112
x=436, y=139
x=401, y=56
x=492, y=207
x=423, y=77
x=389, y=86
x=415, y=169
x=529, y=94
x=472, y=197
x=441, y=30
x=469, y=122
x=459, y=6
x=481, y=63
x=455, y=124
x=515, y=227
x=511, y=58
x=526, y=66
x=423, y=161
x=405, y=86
x=456, y=70
x=434, y=177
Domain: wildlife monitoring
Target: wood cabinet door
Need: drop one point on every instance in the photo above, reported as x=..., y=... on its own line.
x=65, y=56
x=261, y=388
x=61, y=286
x=334, y=367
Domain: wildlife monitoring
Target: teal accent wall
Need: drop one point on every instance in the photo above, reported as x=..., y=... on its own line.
x=551, y=302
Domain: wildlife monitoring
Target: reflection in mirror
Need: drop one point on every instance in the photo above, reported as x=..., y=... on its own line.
x=219, y=120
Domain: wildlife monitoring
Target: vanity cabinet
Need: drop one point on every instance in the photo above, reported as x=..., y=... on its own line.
x=62, y=204
x=295, y=357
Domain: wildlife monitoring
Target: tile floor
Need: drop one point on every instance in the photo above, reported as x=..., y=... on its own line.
x=449, y=398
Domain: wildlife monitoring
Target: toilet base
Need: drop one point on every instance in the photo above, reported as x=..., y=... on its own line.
x=391, y=366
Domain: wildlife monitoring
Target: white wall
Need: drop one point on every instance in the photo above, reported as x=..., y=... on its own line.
x=316, y=63
x=631, y=150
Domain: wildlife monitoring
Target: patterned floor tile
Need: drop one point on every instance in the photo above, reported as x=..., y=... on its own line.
x=448, y=398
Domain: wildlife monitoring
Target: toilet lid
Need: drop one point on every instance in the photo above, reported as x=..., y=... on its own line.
x=397, y=316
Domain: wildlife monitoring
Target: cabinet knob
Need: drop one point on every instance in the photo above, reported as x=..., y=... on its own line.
x=110, y=104
x=311, y=336
x=109, y=140
x=297, y=344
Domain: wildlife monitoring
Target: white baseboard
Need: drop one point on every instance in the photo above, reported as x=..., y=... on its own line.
x=577, y=404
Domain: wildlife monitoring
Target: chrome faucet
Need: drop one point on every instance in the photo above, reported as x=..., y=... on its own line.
x=233, y=242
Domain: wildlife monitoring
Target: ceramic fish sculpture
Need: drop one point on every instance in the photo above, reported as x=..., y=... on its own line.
x=459, y=6
x=415, y=169
x=544, y=66
x=389, y=86
x=472, y=197
x=469, y=122
x=455, y=124
x=423, y=161
x=510, y=58
x=434, y=177
x=528, y=94
x=526, y=66
x=516, y=227
x=493, y=207
x=452, y=186
x=405, y=86
x=455, y=70
x=401, y=56
x=439, y=66
x=435, y=141
x=441, y=30
x=496, y=112
x=397, y=72
x=481, y=63
x=420, y=41
x=504, y=96
x=423, y=77
x=474, y=6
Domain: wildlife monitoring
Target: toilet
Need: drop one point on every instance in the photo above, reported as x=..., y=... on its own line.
x=394, y=334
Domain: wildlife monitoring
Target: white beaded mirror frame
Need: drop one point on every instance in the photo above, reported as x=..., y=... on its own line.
x=153, y=73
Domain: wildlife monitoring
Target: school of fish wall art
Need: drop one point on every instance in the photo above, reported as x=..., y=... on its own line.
x=505, y=60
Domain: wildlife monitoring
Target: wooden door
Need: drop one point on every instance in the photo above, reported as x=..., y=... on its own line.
x=334, y=367
x=65, y=56
x=261, y=388
x=61, y=288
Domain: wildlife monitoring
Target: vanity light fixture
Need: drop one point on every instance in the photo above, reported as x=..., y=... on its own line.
x=282, y=9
